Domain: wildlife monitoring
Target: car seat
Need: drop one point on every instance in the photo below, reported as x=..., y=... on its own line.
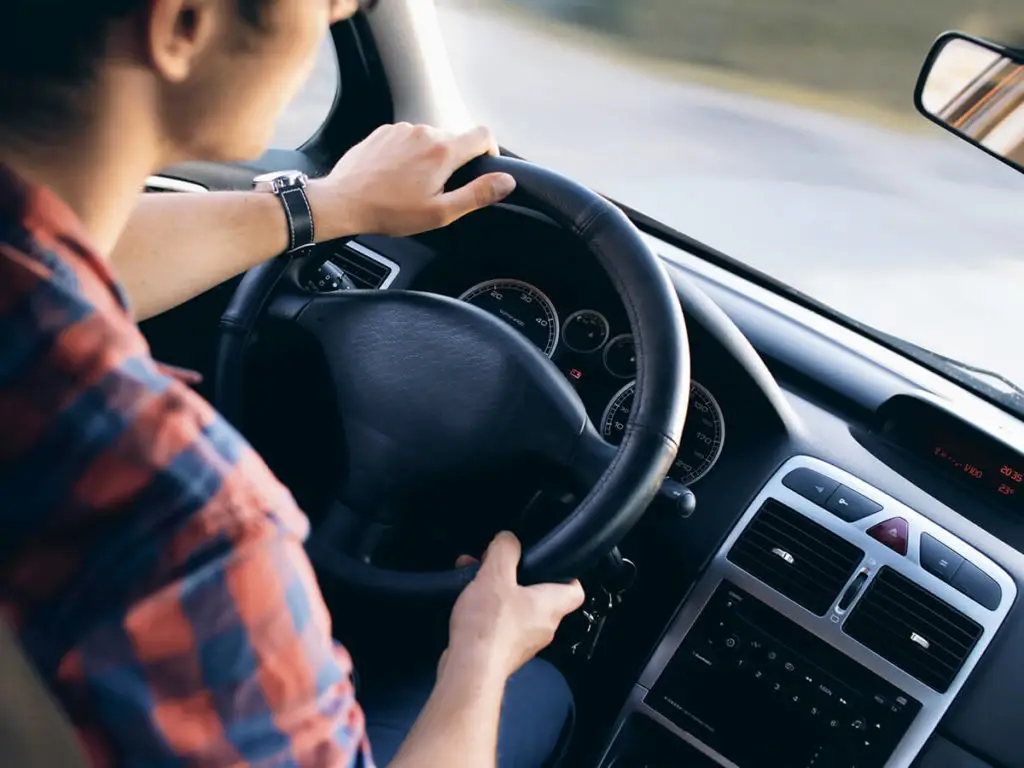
x=34, y=732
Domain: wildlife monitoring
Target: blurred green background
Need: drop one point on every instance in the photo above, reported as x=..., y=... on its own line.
x=871, y=50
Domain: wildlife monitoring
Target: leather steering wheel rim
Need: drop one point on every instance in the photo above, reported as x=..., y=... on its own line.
x=625, y=480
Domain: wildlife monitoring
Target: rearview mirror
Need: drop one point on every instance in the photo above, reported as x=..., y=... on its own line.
x=975, y=89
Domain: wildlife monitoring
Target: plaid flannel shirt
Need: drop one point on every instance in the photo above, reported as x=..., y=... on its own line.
x=150, y=562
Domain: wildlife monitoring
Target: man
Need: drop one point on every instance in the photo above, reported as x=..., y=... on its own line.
x=150, y=562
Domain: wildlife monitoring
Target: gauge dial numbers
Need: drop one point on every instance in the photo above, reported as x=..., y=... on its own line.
x=521, y=305
x=585, y=331
x=703, y=434
x=620, y=357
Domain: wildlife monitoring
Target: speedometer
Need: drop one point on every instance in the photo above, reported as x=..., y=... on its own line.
x=703, y=434
x=522, y=306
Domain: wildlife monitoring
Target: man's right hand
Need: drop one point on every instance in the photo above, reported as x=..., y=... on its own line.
x=393, y=182
x=498, y=625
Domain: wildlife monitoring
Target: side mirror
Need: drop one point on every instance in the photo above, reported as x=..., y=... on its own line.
x=975, y=89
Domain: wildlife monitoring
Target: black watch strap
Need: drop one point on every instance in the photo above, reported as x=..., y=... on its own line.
x=301, y=233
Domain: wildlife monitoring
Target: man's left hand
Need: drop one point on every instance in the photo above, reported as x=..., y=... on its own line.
x=392, y=183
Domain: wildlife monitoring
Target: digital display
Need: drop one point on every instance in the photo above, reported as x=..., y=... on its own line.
x=1002, y=477
x=996, y=472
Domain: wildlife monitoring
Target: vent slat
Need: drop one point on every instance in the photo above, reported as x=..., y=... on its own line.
x=363, y=270
x=804, y=534
x=880, y=625
x=768, y=537
x=894, y=610
x=822, y=562
x=955, y=637
x=755, y=551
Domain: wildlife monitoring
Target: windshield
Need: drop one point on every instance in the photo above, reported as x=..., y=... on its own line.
x=781, y=132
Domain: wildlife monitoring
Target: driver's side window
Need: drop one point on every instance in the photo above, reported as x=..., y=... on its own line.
x=310, y=107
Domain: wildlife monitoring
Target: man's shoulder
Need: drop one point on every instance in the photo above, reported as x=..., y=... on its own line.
x=98, y=439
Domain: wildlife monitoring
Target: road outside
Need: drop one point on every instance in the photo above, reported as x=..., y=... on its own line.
x=907, y=230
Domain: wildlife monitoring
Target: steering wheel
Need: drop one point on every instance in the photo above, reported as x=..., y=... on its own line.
x=428, y=386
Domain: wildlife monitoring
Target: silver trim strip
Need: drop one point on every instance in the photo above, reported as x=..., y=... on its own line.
x=384, y=261
x=168, y=184
x=829, y=628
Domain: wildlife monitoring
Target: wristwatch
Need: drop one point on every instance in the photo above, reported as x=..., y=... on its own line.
x=290, y=188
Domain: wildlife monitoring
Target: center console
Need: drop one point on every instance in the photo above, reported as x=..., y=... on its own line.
x=833, y=629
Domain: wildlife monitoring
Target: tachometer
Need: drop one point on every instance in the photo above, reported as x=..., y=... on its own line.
x=521, y=305
x=703, y=434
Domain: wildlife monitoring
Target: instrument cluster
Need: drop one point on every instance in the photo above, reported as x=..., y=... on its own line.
x=599, y=360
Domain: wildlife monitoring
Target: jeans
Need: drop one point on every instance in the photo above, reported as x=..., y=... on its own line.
x=536, y=716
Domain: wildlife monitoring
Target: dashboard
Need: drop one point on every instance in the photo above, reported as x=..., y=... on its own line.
x=791, y=620
x=846, y=593
x=582, y=328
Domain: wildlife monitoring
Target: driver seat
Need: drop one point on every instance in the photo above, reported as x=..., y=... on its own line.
x=34, y=732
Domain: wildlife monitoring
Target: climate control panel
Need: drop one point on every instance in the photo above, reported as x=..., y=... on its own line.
x=833, y=609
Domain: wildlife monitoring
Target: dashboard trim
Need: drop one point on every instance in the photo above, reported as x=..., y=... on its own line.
x=170, y=184
x=384, y=261
x=830, y=627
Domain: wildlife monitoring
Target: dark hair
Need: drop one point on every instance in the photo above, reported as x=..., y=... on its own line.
x=49, y=55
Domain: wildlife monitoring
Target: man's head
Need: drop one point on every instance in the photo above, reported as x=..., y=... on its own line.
x=206, y=78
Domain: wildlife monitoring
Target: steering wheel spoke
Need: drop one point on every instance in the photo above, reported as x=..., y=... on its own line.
x=591, y=459
x=345, y=531
x=288, y=302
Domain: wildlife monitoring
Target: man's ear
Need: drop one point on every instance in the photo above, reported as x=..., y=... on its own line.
x=178, y=31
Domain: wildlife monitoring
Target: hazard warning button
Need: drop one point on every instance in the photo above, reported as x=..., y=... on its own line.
x=894, y=533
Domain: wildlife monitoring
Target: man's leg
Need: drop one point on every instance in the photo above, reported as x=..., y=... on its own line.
x=536, y=715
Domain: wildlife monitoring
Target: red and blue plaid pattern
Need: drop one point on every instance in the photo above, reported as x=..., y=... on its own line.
x=149, y=560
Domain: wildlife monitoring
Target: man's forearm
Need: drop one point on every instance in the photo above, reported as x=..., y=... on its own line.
x=458, y=728
x=176, y=245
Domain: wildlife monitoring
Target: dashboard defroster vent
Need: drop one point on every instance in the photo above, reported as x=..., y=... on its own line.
x=367, y=270
x=793, y=554
x=911, y=628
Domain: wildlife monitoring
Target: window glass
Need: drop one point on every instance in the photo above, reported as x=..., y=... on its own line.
x=309, y=109
x=781, y=132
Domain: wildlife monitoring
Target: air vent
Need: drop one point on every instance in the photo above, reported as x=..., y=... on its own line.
x=913, y=629
x=801, y=559
x=368, y=270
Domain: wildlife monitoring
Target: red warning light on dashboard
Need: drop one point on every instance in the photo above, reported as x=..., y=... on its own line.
x=576, y=373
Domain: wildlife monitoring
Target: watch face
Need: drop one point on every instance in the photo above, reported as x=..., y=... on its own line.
x=279, y=180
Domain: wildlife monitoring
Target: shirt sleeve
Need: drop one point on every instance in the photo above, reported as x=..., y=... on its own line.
x=230, y=665
x=164, y=559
